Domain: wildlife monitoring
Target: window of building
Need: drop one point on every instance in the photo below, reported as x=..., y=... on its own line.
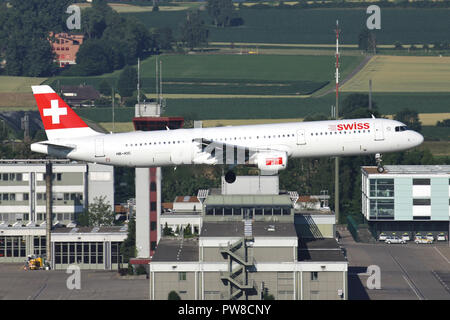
x=421, y=202
x=314, y=276
x=181, y=276
x=421, y=182
x=382, y=188
x=153, y=245
x=381, y=208
x=153, y=186
x=152, y=225
x=153, y=206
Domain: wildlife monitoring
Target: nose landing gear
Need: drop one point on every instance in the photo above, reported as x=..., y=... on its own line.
x=379, y=159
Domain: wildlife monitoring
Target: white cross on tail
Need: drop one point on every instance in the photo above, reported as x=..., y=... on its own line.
x=55, y=111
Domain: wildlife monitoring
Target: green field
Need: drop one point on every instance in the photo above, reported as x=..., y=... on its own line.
x=434, y=133
x=407, y=25
x=272, y=108
x=232, y=74
x=12, y=84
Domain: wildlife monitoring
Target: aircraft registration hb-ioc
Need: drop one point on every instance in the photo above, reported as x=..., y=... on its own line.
x=268, y=146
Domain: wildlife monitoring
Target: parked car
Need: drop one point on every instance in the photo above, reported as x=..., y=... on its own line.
x=441, y=237
x=422, y=239
x=382, y=237
x=406, y=237
x=394, y=239
x=430, y=236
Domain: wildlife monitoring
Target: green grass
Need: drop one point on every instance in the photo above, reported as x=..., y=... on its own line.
x=13, y=84
x=273, y=108
x=390, y=103
x=434, y=133
x=409, y=26
x=231, y=74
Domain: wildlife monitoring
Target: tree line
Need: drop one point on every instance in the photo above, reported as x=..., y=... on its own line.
x=111, y=40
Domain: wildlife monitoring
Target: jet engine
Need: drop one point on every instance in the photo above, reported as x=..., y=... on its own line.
x=272, y=161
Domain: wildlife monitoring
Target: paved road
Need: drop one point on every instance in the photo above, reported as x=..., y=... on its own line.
x=408, y=272
x=18, y=284
x=348, y=77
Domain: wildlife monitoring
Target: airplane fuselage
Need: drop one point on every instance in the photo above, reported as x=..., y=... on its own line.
x=295, y=139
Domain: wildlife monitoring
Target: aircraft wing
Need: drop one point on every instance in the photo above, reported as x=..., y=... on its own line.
x=228, y=153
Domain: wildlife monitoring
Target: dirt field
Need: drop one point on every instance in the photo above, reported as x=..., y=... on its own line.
x=15, y=100
x=402, y=74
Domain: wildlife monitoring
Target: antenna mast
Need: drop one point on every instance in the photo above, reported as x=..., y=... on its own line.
x=336, y=160
x=337, y=68
x=138, y=88
x=160, y=83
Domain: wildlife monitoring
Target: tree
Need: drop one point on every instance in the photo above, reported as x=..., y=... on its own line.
x=398, y=45
x=24, y=35
x=167, y=231
x=221, y=11
x=173, y=295
x=93, y=58
x=128, y=247
x=367, y=41
x=105, y=88
x=101, y=213
x=443, y=123
x=163, y=38
x=193, y=31
x=356, y=105
x=410, y=118
x=127, y=82
x=188, y=230
x=316, y=117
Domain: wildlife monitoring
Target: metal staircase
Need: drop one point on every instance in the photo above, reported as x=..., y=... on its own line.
x=237, y=275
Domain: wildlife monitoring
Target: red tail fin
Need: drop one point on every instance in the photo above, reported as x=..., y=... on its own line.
x=58, y=118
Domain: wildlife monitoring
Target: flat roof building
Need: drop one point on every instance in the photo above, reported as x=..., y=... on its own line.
x=407, y=199
x=87, y=247
x=249, y=247
x=74, y=187
x=23, y=211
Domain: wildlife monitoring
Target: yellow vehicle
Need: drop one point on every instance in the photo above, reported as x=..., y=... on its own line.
x=422, y=239
x=34, y=263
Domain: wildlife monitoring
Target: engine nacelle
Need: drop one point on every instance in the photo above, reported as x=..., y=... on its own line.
x=272, y=161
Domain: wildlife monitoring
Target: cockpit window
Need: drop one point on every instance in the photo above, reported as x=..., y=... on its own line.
x=401, y=128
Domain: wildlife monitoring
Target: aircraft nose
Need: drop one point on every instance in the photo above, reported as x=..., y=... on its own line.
x=418, y=138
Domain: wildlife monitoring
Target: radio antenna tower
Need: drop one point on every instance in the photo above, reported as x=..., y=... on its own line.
x=336, y=160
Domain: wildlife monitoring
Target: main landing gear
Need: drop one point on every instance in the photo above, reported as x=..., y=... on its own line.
x=378, y=159
x=230, y=176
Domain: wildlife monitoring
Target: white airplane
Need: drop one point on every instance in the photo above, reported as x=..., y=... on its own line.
x=268, y=146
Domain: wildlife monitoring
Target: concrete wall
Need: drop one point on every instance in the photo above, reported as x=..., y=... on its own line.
x=164, y=282
x=272, y=254
x=143, y=212
x=325, y=287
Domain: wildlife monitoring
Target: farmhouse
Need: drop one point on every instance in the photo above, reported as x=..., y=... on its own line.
x=65, y=46
x=80, y=96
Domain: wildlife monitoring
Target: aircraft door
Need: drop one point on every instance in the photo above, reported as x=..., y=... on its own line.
x=99, y=148
x=301, y=137
x=379, y=133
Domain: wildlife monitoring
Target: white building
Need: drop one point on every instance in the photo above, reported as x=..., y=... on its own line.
x=74, y=187
x=407, y=199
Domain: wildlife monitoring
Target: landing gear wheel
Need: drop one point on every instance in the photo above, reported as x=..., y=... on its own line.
x=379, y=159
x=230, y=177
